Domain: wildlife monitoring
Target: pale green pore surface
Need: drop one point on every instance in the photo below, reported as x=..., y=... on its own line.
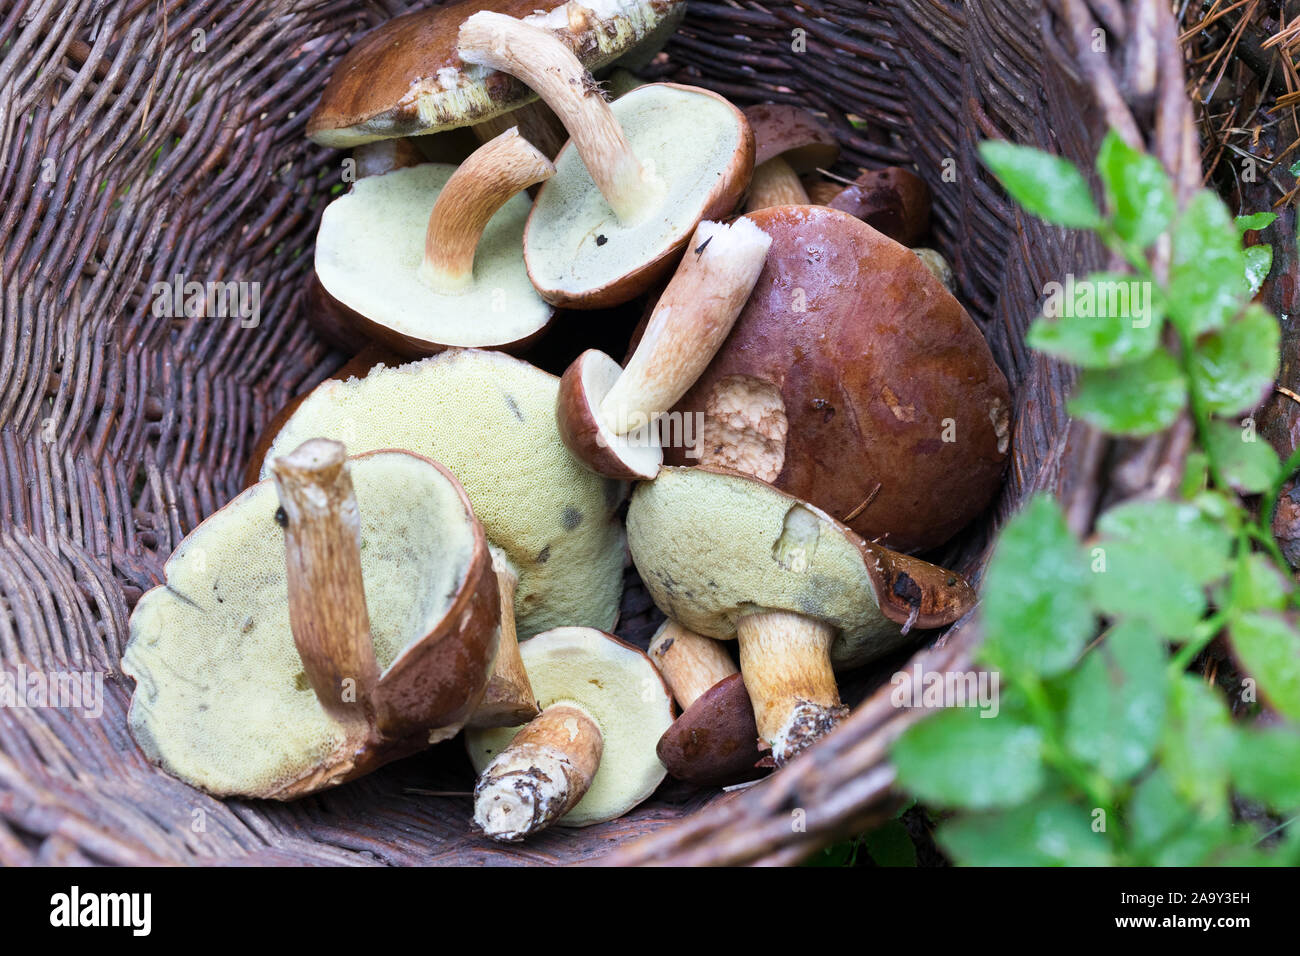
x=621, y=691
x=371, y=243
x=221, y=698
x=574, y=240
x=712, y=547
x=490, y=419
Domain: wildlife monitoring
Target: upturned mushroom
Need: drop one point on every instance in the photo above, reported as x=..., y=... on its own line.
x=730, y=557
x=590, y=756
x=316, y=627
x=607, y=415
x=404, y=78
x=715, y=740
x=849, y=343
x=490, y=419
x=431, y=256
x=633, y=182
x=788, y=142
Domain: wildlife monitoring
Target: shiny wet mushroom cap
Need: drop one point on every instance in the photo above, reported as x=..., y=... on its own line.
x=881, y=364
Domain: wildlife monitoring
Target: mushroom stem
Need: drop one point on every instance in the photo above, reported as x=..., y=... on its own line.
x=476, y=190
x=691, y=663
x=775, y=183
x=327, y=599
x=535, y=122
x=548, y=67
x=508, y=700
x=384, y=156
x=689, y=323
x=785, y=660
x=543, y=773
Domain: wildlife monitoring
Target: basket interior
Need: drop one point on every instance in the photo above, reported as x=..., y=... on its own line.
x=122, y=429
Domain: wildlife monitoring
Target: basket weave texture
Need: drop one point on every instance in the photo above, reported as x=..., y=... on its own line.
x=142, y=140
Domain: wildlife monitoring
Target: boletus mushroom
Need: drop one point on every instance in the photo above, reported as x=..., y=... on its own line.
x=633, y=182
x=316, y=627
x=607, y=415
x=728, y=556
x=715, y=740
x=490, y=419
x=431, y=256
x=892, y=200
x=405, y=78
x=853, y=380
x=590, y=755
x=508, y=700
x=788, y=142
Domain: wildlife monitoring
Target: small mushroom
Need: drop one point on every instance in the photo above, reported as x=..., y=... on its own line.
x=715, y=740
x=404, y=78
x=938, y=265
x=607, y=414
x=729, y=556
x=590, y=756
x=849, y=343
x=301, y=642
x=633, y=182
x=490, y=419
x=893, y=200
x=428, y=257
x=788, y=142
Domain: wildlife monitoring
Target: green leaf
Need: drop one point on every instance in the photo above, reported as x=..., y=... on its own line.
x=1245, y=461
x=1269, y=649
x=959, y=758
x=1235, y=367
x=1255, y=222
x=1179, y=532
x=1134, y=580
x=1197, y=744
x=1207, y=278
x=890, y=845
x=1165, y=830
x=1266, y=767
x=1036, y=613
x=1259, y=585
x=1136, y=399
x=1259, y=260
x=1045, y=185
x=1048, y=832
x=1104, y=320
x=1138, y=190
x=1117, y=700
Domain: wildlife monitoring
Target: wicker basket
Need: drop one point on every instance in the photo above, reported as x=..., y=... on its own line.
x=145, y=139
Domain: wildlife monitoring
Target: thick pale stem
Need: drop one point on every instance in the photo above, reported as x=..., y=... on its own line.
x=691, y=663
x=535, y=122
x=543, y=773
x=689, y=323
x=550, y=69
x=775, y=183
x=327, y=599
x=476, y=190
x=508, y=700
x=786, y=662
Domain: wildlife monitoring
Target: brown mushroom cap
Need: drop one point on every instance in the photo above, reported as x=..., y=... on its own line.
x=405, y=78
x=893, y=200
x=794, y=134
x=577, y=415
x=715, y=740
x=880, y=403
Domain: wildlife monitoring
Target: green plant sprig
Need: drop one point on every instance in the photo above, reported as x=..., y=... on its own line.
x=1109, y=751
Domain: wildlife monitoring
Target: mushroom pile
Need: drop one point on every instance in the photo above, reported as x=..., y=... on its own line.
x=434, y=542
